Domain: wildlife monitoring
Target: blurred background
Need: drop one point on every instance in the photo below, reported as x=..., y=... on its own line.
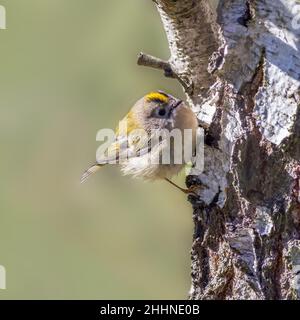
x=68, y=69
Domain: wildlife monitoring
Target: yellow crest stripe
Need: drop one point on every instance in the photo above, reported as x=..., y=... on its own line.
x=152, y=96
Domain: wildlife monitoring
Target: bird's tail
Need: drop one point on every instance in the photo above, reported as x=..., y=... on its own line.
x=91, y=170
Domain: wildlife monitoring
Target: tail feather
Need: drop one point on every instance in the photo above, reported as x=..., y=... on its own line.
x=91, y=170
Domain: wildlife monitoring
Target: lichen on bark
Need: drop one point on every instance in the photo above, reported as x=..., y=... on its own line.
x=239, y=61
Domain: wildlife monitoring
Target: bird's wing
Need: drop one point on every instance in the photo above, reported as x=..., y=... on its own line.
x=124, y=148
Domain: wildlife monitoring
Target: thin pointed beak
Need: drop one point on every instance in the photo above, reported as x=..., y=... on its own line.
x=176, y=104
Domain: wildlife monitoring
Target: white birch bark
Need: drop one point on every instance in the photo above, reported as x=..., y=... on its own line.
x=239, y=64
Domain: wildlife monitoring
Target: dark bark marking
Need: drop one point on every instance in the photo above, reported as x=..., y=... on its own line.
x=248, y=15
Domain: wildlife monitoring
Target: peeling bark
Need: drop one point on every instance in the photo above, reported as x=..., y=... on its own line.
x=239, y=62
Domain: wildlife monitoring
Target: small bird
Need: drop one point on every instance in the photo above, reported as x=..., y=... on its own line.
x=139, y=154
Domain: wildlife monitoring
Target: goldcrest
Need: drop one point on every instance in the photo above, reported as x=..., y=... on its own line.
x=141, y=140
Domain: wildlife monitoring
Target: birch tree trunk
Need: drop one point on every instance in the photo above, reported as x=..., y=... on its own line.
x=239, y=64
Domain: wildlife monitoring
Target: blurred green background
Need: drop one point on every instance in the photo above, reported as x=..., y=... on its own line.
x=68, y=69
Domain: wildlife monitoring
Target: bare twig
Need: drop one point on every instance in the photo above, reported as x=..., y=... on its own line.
x=147, y=60
x=156, y=63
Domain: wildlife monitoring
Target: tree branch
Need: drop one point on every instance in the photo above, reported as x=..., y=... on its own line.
x=147, y=60
x=193, y=37
x=242, y=66
x=156, y=63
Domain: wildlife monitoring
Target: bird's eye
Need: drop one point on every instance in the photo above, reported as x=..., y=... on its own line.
x=161, y=112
